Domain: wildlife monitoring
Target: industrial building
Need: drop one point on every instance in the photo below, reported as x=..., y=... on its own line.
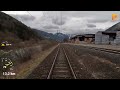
x=110, y=36
x=86, y=38
x=107, y=37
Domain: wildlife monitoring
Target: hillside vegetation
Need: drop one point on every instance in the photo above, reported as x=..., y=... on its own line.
x=13, y=30
x=26, y=43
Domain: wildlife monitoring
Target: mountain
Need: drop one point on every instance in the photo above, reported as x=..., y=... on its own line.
x=14, y=30
x=57, y=36
x=115, y=27
x=61, y=36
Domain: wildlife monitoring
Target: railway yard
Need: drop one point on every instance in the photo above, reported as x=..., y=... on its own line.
x=69, y=61
x=59, y=45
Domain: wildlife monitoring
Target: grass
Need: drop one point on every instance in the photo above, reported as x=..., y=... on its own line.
x=24, y=55
x=28, y=67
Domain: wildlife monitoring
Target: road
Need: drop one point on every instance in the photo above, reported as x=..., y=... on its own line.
x=69, y=61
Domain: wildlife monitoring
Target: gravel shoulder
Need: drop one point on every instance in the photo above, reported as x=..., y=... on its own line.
x=96, y=66
x=114, y=47
x=89, y=64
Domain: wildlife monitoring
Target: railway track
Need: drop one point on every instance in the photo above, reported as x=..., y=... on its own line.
x=105, y=50
x=72, y=62
x=61, y=67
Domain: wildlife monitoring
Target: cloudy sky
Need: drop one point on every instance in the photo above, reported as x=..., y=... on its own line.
x=68, y=22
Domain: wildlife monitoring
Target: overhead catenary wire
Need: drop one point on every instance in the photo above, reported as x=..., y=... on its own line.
x=44, y=14
x=29, y=13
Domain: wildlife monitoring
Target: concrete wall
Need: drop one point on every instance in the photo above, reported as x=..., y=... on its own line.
x=105, y=39
x=98, y=38
x=117, y=40
x=101, y=38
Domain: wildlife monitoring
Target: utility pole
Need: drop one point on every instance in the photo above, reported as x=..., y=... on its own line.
x=61, y=20
x=60, y=27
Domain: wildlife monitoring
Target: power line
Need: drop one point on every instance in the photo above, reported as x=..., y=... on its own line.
x=44, y=14
x=30, y=14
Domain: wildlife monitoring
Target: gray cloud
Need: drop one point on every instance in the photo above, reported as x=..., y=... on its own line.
x=58, y=21
x=51, y=27
x=84, y=31
x=98, y=21
x=73, y=22
x=57, y=17
x=91, y=25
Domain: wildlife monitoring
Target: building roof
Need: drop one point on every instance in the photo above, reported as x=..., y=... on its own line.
x=115, y=27
x=109, y=32
x=85, y=35
x=89, y=35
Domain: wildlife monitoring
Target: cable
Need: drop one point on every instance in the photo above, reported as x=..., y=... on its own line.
x=44, y=13
x=30, y=14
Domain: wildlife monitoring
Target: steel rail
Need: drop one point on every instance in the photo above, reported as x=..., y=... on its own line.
x=53, y=64
x=105, y=50
x=69, y=64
